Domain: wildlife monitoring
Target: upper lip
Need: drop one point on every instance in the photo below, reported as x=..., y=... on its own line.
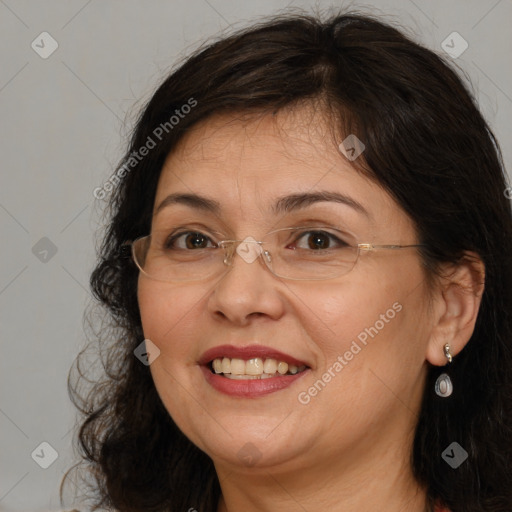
x=248, y=352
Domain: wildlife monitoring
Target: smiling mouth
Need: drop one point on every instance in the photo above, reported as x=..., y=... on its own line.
x=255, y=368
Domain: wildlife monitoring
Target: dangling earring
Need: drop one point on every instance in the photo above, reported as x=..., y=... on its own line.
x=444, y=386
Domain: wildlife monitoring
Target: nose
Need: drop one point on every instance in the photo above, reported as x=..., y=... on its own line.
x=248, y=290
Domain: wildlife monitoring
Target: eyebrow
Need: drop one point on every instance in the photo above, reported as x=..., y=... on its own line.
x=283, y=204
x=191, y=200
x=299, y=201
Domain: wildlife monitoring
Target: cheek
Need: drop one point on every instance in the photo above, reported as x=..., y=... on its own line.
x=169, y=313
x=379, y=324
x=370, y=353
x=171, y=320
x=337, y=315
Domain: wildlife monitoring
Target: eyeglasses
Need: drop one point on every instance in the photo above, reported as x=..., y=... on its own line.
x=297, y=253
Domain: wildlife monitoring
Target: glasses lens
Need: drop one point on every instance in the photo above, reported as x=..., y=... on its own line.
x=185, y=256
x=310, y=253
x=300, y=253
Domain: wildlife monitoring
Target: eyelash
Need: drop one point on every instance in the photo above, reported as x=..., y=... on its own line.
x=330, y=236
x=171, y=240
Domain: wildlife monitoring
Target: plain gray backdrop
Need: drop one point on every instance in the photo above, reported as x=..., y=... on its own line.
x=64, y=120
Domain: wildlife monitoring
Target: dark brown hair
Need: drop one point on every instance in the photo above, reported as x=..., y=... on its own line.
x=426, y=144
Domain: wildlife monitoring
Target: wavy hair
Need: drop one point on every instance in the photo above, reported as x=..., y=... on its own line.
x=427, y=145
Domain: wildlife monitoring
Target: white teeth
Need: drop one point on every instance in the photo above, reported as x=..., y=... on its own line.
x=255, y=368
x=226, y=365
x=217, y=365
x=282, y=367
x=241, y=377
x=270, y=366
x=237, y=366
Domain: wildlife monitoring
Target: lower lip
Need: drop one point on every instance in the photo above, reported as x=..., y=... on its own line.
x=250, y=388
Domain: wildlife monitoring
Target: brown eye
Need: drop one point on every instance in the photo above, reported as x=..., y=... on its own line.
x=318, y=241
x=189, y=240
x=196, y=241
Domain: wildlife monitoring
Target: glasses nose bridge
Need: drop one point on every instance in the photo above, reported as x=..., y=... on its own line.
x=249, y=250
x=229, y=247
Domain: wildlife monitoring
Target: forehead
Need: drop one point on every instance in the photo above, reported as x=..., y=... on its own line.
x=246, y=162
x=255, y=142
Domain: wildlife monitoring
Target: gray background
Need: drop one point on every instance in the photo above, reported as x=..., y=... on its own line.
x=64, y=122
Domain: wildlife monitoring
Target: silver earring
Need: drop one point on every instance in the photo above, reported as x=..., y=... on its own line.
x=447, y=353
x=444, y=386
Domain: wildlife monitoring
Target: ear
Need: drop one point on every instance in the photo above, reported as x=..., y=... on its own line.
x=457, y=299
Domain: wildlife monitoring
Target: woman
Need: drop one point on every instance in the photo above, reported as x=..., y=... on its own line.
x=311, y=235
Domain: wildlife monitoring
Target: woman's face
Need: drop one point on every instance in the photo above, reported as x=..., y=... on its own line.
x=362, y=336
